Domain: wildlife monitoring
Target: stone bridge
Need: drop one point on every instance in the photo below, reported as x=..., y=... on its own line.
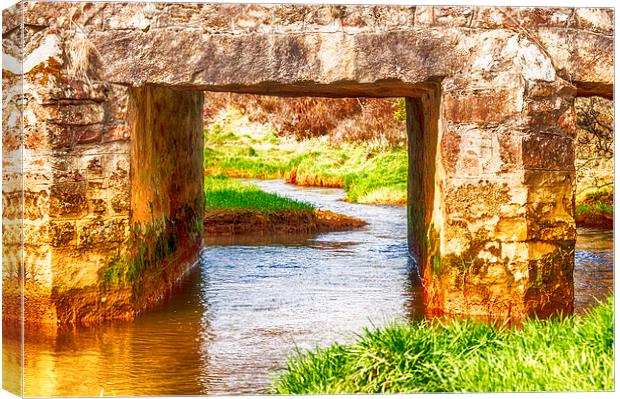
x=108, y=171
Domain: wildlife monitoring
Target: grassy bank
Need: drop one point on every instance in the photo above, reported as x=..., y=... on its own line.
x=596, y=209
x=225, y=193
x=570, y=354
x=370, y=172
x=232, y=207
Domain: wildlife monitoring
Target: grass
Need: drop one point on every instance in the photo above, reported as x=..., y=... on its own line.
x=370, y=172
x=574, y=353
x=224, y=193
x=595, y=209
x=600, y=201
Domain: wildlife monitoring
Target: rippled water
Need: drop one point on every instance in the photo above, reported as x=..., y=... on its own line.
x=253, y=300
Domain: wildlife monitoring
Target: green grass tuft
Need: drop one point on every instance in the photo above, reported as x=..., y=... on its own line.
x=225, y=193
x=595, y=209
x=570, y=354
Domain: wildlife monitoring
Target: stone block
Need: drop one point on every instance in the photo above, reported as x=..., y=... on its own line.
x=318, y=17
x=97, y=206
x=534, y=17
x=36, y=232
x=452, y=16
x=476, y=200
x=595, y=19
x=12, y=205
x=494, y=17
x=450, y=148
x=548, y=112
x=482, y=107
x=76, y=270
x=92, y=166
x=550, y=286
x=36, y=204
x=217, y=18
x=117, y=98
x=101, y=232
x=509, y=146
x=550, y=205
x=57, y=14
x=12, y=232
x=62, y=233
x=252, y=18
x=488, y=152
x=66, y=169
x=116, y=167
x=129, y=16
x=357, y=18
x=68, y=199
x=516, y=252
x=73, y=114
x=188, y=15
x=393, y=17
x=117, y=132
x=560, y=88
x=549, y=152
x=423, y=16
x=511, y=229
x=120, y=201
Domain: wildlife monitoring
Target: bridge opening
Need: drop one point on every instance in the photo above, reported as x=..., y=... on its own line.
x=171, y=152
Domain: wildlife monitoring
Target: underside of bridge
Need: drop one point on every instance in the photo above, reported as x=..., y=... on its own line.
x=112, y=140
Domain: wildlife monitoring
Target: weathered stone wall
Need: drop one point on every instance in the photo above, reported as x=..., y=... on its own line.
x=167, y=190
x=75, y=148
x=499, y=234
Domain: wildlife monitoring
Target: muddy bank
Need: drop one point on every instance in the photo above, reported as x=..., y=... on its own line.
x=601, y=220
x=233, y=222
x=595, y=209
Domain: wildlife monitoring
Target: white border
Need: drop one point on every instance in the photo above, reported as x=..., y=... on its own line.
x=527, y=3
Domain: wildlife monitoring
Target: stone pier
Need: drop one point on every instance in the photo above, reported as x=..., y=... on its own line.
x=103, y=186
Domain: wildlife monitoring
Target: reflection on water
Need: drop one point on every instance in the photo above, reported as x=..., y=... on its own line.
x=234, y=320
x=594, y=267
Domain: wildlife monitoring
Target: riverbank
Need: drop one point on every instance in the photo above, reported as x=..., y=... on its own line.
x=595, y=210
x=571, y=354
x=233, y=208
x=371, y=172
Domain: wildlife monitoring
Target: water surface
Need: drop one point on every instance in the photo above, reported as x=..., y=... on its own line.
x=253, y=300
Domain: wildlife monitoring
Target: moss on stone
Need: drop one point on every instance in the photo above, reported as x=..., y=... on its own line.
x=150, y=245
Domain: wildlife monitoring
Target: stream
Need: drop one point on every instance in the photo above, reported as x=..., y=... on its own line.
x=232, y=322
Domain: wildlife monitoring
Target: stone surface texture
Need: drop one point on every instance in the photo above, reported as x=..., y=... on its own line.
x=491, y=93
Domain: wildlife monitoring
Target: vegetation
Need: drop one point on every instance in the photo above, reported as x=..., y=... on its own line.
x=150, y=245
x=224, y=193
x=596, y=209
x=595, y=123
x=561, y=354
x=594, y=162
x=352, y=120
x=370, y=171
x=235, y=208
x=360, y=145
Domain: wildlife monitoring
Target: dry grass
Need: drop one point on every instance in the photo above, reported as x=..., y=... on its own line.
x=352, y=120
x=302, y=178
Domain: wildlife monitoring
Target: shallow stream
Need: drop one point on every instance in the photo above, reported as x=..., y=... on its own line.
x=252, y=301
